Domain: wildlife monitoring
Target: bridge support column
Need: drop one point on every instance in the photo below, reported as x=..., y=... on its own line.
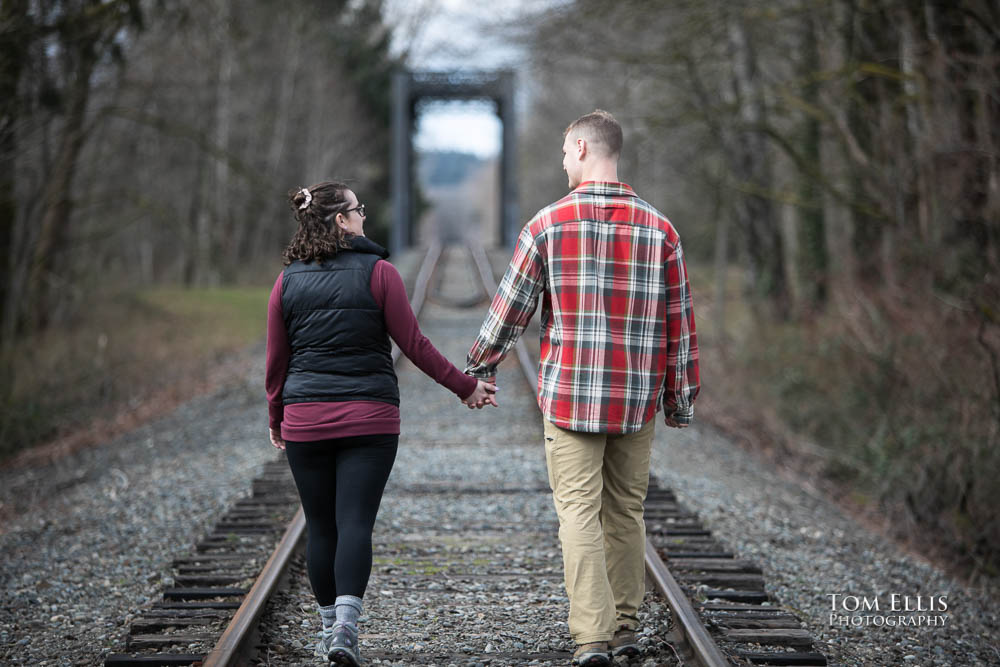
x=402, y=148
x=509, y=213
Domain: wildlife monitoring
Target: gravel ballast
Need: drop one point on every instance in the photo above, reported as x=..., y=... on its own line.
x=95, y=531
x=811, y=550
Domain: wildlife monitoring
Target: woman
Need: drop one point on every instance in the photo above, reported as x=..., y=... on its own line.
x=332, y=395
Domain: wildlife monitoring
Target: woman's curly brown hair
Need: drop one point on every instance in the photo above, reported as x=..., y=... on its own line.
x=318, y=236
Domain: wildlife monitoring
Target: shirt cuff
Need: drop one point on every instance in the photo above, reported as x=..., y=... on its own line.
x=481, y=373
x=680, y=415
x=471, y=387
x=275, y=414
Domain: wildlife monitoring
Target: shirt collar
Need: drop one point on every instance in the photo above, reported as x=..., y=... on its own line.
x=606, y=188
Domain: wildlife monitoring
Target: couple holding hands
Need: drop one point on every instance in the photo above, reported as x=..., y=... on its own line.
x=618, y=344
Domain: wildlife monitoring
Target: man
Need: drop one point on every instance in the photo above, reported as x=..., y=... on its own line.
x=617, y=343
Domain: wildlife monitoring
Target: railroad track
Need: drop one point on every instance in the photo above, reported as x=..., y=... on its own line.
x=229, y=573
x=720, y=610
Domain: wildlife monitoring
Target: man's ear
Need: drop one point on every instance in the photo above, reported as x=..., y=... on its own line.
x=581, y=147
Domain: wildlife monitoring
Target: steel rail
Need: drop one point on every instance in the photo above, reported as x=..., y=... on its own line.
x=420, y=286
x=528, y=365
x=232, y=643
x=232, y=648
x=704, y=650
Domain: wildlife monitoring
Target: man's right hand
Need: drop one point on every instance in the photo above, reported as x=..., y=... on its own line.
x=484, y=394
x=672, y=423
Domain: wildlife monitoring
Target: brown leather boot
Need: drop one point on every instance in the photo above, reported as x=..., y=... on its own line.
x=624, y=643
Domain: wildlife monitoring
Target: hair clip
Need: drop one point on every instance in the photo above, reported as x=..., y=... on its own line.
x=309, y=198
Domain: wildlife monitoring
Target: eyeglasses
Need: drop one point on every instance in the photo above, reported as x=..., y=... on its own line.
x=360, y=208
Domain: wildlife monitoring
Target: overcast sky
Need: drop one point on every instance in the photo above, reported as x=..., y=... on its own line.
x=454, y=34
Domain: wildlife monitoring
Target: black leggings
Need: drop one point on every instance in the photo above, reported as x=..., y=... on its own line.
x=340, y=483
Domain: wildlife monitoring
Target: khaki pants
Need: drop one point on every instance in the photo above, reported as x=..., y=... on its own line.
x=599, y=485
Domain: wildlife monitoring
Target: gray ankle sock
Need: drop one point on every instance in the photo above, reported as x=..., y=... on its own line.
x=329, y=616
x=348, y=608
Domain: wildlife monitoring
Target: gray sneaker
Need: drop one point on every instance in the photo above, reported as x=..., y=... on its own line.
x=324, y=645
x=344, y=645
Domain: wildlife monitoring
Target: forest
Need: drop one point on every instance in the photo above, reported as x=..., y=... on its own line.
x=833, y=167
x=149, y=146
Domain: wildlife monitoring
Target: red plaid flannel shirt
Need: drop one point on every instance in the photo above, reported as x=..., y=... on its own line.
x=617, y=331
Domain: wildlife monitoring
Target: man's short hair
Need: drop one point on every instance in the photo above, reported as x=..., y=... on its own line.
x=600, y=128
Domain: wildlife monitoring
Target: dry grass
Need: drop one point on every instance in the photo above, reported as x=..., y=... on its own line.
x=129, y=357
x=887, y=402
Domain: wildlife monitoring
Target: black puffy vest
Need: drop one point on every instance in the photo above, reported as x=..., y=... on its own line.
x=336, y=331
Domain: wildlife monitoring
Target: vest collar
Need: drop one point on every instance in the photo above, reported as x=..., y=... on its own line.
x=364, y=244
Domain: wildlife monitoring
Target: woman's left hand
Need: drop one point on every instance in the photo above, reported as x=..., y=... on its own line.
x=276, y=439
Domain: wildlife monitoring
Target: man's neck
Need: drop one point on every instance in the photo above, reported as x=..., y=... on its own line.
x=600, y=171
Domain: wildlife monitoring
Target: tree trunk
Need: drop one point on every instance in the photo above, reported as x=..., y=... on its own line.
x=987, y=124
x=57, y=193
x=988, y=119
x=13, y=58
x=721, y=270
x=275, y=205
x=811, y=258
x=791, y=248
x=752, y=169
x=218, y=216
x=838, y=226
x=191, y=246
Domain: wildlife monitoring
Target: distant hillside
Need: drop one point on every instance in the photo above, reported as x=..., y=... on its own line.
x=437, y=168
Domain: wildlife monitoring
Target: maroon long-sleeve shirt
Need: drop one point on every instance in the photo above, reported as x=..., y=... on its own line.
x=300, y=422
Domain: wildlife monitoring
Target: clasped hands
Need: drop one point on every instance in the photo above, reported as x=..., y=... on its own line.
x=484, y=394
